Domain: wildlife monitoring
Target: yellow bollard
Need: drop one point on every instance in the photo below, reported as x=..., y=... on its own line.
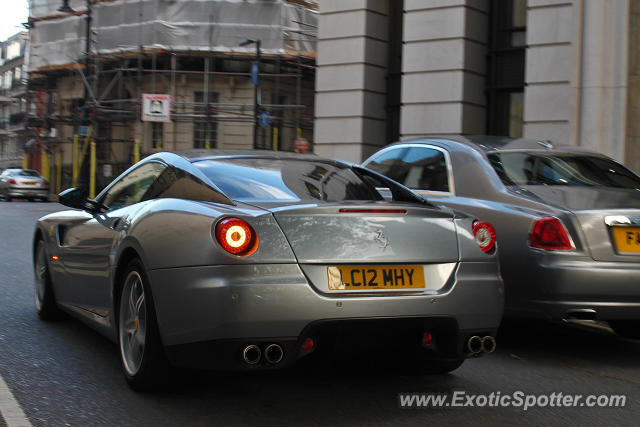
x=58, y=171
x=207, y=144
x=25, y=161
x=136, y=150
x=92, y=170
x=74, y=161
x=46, y=166
x=275, y=139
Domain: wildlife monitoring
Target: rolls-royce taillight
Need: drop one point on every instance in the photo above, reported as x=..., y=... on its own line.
x=549, y=233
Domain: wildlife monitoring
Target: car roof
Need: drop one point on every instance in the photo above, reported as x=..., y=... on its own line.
x=494, y=143
x=196, y=155
x=20, y=169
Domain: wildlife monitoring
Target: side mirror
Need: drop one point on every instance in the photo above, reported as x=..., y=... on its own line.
x=75, y=197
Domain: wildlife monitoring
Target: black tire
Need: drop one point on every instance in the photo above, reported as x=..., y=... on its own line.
x=143, y=368
x=626, y=328
x=44, y=298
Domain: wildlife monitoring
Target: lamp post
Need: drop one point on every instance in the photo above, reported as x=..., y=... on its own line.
x=84, y=172
x=255, y=78
x=65, y=7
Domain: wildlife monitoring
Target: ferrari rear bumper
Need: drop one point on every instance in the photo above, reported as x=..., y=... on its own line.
x=258, y=302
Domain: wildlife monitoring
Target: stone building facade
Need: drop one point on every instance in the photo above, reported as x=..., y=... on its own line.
x=13, y=104
x=563, y=70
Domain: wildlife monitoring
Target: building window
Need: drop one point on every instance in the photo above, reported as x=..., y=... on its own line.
x=205, y=125
x=506, y=67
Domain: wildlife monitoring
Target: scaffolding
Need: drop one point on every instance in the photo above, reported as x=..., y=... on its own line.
x=98, y=90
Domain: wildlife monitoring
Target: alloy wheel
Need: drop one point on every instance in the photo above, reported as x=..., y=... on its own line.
x=132, y=323
x=40, y=270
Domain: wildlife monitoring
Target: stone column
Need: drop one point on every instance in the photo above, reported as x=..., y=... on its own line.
x=350, y=80
x=551, y=46
x=632, y=149
x=444, y=67
x=577, y=70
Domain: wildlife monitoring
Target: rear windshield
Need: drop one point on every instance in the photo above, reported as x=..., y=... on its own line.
x=256, y=179
x=562, y=169
x=26, y=172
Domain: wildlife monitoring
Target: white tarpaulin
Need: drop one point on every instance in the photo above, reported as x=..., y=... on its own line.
x=175, y=25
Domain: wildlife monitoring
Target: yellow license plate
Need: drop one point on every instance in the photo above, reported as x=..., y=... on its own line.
x=29, y=183
x=627, y=239
x=358, y=278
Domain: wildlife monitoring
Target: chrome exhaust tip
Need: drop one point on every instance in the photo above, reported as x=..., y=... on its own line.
x=488, y=344
x=251, y=354
x=273, y=353
x=474, y=345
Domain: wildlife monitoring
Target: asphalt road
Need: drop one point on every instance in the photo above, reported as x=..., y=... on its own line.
x=64, y=374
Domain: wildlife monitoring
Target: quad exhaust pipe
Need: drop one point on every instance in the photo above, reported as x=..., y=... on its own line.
x=477, y=345
x=273, y=353
x=252, y=354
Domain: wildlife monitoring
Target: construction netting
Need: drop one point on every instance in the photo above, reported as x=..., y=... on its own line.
x=122, y=26
x=46, y=8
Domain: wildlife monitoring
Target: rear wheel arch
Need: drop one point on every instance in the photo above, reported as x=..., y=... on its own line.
x=125, y=258
x=128, y=254
x=151, y=362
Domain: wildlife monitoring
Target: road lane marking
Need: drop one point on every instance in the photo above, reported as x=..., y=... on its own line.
x=10, y=408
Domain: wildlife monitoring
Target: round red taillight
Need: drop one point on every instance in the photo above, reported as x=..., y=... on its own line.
x=549, y=233
x=12, y=181
x=45, y=182
x=236, y=236
x=485, y=235
x=308, y=345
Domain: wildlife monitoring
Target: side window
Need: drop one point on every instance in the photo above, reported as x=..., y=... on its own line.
x=390, y=164
x=179, y=184
x=132, y=187
x=425, y=169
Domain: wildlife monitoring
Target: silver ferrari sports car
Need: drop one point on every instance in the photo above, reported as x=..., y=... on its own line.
x=253, y=260
x=568, y=220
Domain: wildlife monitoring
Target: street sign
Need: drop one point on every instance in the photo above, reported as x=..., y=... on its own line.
x=264, y=119
x=255, y=72
x=156, y=107
x=84, y=130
